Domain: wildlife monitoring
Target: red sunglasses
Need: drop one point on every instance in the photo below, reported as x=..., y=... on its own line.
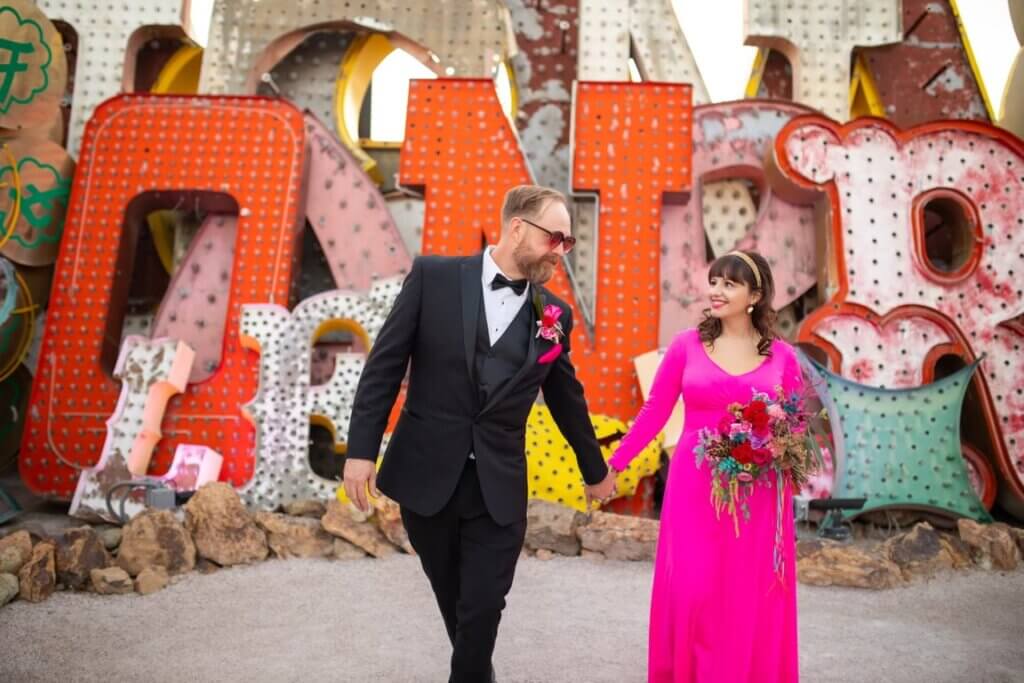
x=557, y=236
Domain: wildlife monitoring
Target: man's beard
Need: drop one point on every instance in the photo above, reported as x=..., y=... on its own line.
x=539, y=270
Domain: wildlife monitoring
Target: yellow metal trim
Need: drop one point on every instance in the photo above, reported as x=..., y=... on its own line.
x=367, y=143
x=863, y=85
x=161, y=227
x=180, y=75
x=513, y=89
x=757, y=72
x=973, y=62
x=364, y=55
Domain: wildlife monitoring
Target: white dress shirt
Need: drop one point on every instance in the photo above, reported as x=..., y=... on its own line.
x=501, y=306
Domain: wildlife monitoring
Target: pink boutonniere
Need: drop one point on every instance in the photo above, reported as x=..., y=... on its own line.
x=549, y=327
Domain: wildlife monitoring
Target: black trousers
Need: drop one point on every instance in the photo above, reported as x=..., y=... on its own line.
x=470, y=561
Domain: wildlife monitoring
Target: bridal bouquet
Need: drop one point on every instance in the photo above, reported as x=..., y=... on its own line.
x=765, y=440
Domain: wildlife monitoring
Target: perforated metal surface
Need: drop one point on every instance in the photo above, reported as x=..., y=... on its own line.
x=468, y=37
x=104, y=30
x=551, y=466
x=648, y=30
x=818, y=37
x=901, y=448
x=928, y=75
x=251, y=149
x=547, y=35
x=349, y=215
x=285, y=402
x=150, y=373
x=733, y=138
x=609, y=118
x=879, y=181
x=307, y=75
x=195, y=307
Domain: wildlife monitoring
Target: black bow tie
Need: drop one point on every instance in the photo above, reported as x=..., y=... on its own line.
x=517, y=286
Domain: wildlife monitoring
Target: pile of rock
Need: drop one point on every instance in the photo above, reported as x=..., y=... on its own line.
x=156, y=546
x=918, y=553
x=554, y=529
x=218, y=531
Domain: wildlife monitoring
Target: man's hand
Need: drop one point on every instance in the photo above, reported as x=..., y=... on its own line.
x=360, y=474
x=603, y=491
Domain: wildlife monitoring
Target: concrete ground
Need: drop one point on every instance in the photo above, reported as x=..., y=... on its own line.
x=578, y=620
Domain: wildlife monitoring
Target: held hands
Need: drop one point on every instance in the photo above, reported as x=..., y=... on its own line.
x=360, y=475
x=602, y=491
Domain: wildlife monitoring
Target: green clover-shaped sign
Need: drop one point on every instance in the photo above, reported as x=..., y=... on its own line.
x=12, y=55
x=38, y=207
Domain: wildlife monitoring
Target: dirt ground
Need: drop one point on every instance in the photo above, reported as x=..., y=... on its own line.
x=568, y=619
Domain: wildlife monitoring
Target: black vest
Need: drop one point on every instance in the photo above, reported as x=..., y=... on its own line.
x=496, y=365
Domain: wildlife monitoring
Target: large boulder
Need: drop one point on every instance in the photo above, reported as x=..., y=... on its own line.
x=38, y=577
x=829, y=563
x=15, y=549
x=9, y=588
x=923, y=551
x=346, y=523
x=79, y=551
x=223, y=530
x=553, y=527
x=388, y=518
x=619, y=537
x=994, y=546
x=295, y=536
x=155, y=538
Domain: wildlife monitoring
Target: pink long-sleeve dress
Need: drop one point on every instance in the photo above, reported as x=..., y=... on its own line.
x=719, y=611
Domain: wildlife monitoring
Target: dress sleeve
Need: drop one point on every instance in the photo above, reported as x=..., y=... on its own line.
x=655, y=412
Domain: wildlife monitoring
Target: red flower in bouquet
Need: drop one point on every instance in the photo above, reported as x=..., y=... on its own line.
x=756, y=413
x=743, y=453
x=762, y=456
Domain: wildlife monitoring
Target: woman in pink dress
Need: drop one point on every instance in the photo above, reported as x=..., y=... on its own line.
x=720, y=611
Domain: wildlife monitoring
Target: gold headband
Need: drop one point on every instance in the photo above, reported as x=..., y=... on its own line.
x=750, y=262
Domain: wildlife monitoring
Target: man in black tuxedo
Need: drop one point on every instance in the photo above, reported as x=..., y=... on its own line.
x=482, y=341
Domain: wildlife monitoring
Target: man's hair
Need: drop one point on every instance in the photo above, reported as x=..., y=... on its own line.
x=529, y=201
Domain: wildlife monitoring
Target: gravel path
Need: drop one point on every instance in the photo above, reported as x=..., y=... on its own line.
x=576, y=620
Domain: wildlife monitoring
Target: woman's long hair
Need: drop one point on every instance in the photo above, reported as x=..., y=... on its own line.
x=732, y=267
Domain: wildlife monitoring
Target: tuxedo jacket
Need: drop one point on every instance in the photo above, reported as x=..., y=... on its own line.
x=434, y=332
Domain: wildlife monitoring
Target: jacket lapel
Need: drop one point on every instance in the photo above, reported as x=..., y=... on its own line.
x=472, y=293
x=532, y=351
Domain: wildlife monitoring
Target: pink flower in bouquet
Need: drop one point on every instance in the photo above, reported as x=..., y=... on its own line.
x=738, y=428
x=745, y=477
x=776, y=412
x=725, y=425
